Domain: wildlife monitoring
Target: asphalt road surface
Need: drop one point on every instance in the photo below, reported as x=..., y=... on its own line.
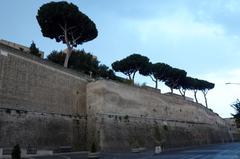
x=222, y=151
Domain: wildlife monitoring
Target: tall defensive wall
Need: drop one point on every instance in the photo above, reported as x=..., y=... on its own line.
x=47, y=106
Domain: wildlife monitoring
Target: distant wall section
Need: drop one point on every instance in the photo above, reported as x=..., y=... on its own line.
x=135, y=117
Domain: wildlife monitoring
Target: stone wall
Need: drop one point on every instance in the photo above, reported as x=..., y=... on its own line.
x=41, y=130
x=234, y=131
x=47, y=106
x=50, y=102
x=122, y=117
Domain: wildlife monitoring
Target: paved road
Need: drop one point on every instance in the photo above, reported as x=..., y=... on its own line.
x=223, y=151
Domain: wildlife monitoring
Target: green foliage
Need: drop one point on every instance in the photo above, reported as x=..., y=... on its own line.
x=34, y=50
x=56, y=57
x=189, y=83
x=161, y=70
x=105, y=72
x=185, y=84
x=64, y=22
x=146, y=70
x=83, y=62
x=194, y=83
x=195, y=86
x=204, y=86
x=157, y=71
x=80, y=61
x=173, y=78
x=236, y=106
x=130, y=65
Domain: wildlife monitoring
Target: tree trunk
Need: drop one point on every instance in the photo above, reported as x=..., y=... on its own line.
x=69, y=48
x=133, y=77
x=195, y=96
x=182, y=92
x=155, y=80
x=205, y=97
x=68, y=54
x=171, y=90
x=129, y=77
x=156, y=84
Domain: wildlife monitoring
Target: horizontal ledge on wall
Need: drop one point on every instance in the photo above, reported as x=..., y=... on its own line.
x=151, y=118
x=22, y=111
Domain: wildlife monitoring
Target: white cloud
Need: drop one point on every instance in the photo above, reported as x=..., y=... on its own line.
x=178, y=25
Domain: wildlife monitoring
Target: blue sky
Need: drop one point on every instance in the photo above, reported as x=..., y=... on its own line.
x=201, y=37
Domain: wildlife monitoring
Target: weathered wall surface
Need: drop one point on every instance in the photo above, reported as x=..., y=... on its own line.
x=32, y=85
x=133, y=117
x=41, y=130
x=29, y=84
x=234, y=131
x=47, y=106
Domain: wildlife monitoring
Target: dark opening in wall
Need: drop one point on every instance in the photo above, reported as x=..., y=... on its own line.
x=165, y=127
x=126, y=117
x=18, y=112
x=8, y=111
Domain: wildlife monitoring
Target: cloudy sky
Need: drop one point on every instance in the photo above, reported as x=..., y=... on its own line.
x=201, y=37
